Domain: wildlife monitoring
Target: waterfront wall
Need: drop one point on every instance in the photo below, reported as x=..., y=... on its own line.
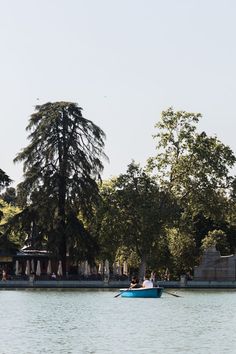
x=69, y=284
x=64, y=284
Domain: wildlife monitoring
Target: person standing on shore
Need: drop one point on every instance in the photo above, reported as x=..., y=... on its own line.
x=4, y=275
x=153, y=277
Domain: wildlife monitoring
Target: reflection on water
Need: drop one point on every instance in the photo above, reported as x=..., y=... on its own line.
x=93, y=321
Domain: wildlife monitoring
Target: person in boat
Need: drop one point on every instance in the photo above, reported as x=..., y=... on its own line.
x=135, y=283
x=147, y=283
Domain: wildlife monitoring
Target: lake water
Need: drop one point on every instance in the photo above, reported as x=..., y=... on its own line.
x=93, y=321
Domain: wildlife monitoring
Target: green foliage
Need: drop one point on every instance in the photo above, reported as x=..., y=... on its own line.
x=8, y=212
x=9, y=196
x=62, y=165
x=217, y=238
x=195, y=167
x=163, y=215
x=175, y=136
x=106, y=222
x=4, y=180
x=132, y=214
x=182, y=249
x=144, y=207
x=160, y=258
x=124, y=253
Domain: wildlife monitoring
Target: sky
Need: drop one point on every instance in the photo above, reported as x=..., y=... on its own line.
x=123, y=62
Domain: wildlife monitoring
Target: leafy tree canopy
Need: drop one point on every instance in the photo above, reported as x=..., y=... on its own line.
x=9, y=196
x=193, y=165
x=62, y=166
x=12, y=239
x=217, y=238
x=134, y=212
x=182, y=248
x=4, y=180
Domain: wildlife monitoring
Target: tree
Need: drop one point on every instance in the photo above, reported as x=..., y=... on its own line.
x=106, y=222
x=217, y=238
x=62, y=166
x=182, y=250
x=9, y=196
x=194, y=167
x=8, y=212
x=140, y=210
x=5, y=181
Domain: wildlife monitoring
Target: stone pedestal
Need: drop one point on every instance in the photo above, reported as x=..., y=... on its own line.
x=183, y=280
x=213, y=266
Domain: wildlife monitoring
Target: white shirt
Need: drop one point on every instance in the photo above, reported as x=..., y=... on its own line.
x=147, y=284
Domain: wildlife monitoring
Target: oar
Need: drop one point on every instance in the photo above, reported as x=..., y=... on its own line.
x=117, y=295
x=167, y=292
x=121, y=293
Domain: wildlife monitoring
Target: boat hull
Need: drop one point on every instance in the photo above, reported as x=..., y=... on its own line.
x=142, y=292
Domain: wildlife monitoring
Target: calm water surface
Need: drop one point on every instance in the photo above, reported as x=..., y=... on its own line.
x=92, y=321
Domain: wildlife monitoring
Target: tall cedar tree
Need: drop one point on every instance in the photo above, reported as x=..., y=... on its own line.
x=4, y=179
x=62, y=165
x=4, y=182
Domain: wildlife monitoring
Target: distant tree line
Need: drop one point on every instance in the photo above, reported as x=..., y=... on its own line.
x=162, y=215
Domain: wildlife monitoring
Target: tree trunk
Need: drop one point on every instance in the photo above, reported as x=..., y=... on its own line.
x=62, y=254
x=142, y=268
x=62, y=221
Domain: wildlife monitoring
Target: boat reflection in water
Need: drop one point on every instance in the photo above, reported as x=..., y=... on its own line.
x=142, y=292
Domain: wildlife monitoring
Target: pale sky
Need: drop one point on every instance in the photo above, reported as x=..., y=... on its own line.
x=123, y=61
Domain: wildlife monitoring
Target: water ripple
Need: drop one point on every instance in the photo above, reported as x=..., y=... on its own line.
x=94, y=322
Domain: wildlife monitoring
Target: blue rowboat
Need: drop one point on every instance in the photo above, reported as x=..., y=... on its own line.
x=142, y=292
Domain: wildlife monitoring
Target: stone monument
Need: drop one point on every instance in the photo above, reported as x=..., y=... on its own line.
x=213, y=266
